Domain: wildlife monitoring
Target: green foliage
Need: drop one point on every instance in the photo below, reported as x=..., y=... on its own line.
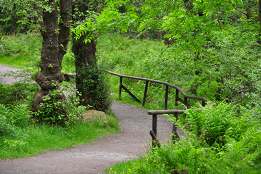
x=5, y=127
x=21, y=137
x=68, y=62
x=11, y=118
x=22, y=48
x=96, y=88
x=216, y=78
x=17, y=93
x=51, y=110
x=9, y=18
x=54, y=111
x=235, y=138
x=213, y=123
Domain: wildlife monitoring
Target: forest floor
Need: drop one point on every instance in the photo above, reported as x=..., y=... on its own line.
x=94, y=157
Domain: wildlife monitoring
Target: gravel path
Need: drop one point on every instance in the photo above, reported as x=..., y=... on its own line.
x=96, y=156
x=7, y=69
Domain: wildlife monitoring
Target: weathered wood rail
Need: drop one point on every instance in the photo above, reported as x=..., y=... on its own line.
x=153, y=132
x=167, y=86
x=154, y=113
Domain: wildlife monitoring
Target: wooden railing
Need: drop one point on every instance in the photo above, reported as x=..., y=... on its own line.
x=153, y=132
x=167, y=86
x=154, y=113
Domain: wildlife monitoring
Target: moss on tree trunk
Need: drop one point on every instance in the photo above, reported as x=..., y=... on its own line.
x=55, y=40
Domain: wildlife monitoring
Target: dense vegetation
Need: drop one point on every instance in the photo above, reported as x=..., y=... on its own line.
x=20, y=136
x=221, y=139
x=212, y=51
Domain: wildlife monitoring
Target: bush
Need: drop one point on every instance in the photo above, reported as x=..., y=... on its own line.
x=10, y=118
x=53, y=111
x=97, y=89
x=17, y=93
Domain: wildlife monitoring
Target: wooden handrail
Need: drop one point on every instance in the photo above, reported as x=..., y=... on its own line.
x=178, y=89
x=173, y=111
x=153, y=132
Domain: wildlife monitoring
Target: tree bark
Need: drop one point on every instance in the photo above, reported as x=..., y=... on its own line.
x=64, y=33
x=90, y=82
x=50, y=75
x=54, y=46
x=85, y=60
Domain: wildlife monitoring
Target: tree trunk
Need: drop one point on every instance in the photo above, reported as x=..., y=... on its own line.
x=90, y=82
x=54, y=45
x=64, y=33
x=85, y=60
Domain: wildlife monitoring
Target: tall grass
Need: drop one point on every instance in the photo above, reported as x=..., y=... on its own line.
x=24, y=51
x=20, y=51
x=142, y=58
x=21, y=137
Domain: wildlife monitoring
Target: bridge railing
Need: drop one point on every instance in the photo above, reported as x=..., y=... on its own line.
x=167, y=86
x=154, y=113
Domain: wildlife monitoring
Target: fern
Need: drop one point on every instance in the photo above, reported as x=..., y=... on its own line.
x=20, y=115
x=5, y=127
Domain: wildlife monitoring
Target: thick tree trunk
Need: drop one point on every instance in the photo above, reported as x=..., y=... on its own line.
x=54, y=45
x=90, y=82
x=50, y=75
x=84, y=57
x=85, y=60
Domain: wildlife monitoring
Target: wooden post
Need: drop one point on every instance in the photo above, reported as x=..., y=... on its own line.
x=203, y=103
x=166, y=97
x=145, y=94
x=174, y=130
x=185, y=100
x=120, y=87
x=154, y=128
x=177, y=97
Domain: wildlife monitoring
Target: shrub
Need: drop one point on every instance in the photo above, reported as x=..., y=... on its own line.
x=55, y=112
x=97, y=89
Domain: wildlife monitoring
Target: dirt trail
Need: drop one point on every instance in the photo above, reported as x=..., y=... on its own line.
x=96, y=156
x=7, y=69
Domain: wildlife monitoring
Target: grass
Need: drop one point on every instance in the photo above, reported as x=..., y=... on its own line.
x=36, y=139
x=142, y=58
x=23, y=51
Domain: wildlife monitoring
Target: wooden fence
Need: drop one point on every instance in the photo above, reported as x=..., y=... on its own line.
x=154, y=113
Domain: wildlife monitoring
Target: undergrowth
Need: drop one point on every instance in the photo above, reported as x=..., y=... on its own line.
x=22, y=136
x=219, y=139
